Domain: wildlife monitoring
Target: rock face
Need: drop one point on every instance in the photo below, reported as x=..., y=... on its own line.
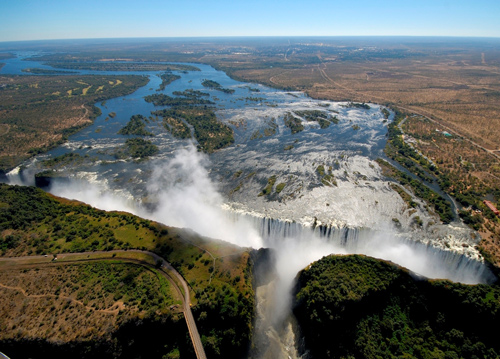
x=264, y=266
x=356, y=306
x=45, y=179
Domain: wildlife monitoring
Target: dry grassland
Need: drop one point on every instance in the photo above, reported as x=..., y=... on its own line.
x=41, y=111
x=469, y=168
x=76, y=302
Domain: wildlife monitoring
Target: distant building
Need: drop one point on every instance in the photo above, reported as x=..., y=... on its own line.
x=447, y=134
x=491, y=207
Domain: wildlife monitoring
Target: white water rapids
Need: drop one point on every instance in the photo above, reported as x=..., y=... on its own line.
x=186, y=196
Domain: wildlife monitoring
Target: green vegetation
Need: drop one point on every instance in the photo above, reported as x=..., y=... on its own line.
x=374, y=309
x=386, y=113
x=39, y=71
x=269, y=187
x=63, y=160
x=251, y=89
x=253, y=99
x=224, y=311
x=322, y=118
x=164, y=100
x=464, y=171
x=216, y=86
x=405, y=196
x=136, y=126
x=186, y=108
x=208, y=131
x=269, y=130
x=177, y=127
x=256, y=135
x=441, y=206
x=166, y=79
x=237, y=174
x=140, y=149
x=412, y=160
x=327, y=178
x=406, y=155
x=355, y=127
x=219, y=274
x=237, y=188
x=363, y=105
x=473, y=220
x=38, y=113
x=293, y=123
x=192, y=94
x=280, y=187
x=37, y=223
x=119, y=66
x=323, y=123
x=137, y=287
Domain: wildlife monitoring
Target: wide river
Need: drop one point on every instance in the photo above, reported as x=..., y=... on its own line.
x=327, y=177
x=328, y=194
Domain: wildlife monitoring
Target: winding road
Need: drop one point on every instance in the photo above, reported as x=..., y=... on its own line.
x=149, y=260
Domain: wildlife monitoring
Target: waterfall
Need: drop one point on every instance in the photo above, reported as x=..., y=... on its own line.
x=420, y=257
x=296, y=245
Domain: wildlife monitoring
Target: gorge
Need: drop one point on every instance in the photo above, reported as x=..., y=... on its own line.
x=301, y=178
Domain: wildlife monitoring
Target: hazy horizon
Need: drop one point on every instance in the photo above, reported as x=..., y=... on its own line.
x=58, y=20
x=221, y=37
x=164, y=43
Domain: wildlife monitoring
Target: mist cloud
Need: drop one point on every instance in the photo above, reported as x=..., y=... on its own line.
x=187, y=198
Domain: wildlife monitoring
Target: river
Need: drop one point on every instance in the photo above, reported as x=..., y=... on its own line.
x=328, y=194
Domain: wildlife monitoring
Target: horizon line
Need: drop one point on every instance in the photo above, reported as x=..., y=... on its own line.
x=253, y=37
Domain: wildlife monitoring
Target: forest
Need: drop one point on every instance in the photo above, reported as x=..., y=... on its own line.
x=375, y=309
x=216, y=86
x=136, y=126
x=190, y=107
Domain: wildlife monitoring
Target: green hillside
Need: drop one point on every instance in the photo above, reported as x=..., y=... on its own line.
x=219, y=274
x=360, y=307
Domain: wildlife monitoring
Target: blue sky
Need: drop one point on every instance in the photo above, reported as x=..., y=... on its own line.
x=68, y=19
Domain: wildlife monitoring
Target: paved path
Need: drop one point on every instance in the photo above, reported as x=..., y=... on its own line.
x=166, y=270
